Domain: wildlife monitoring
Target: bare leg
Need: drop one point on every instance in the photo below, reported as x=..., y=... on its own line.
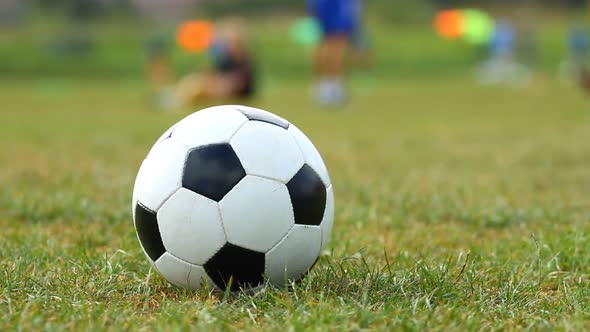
x=330, y=68
x=196, y=88
x=334, y=56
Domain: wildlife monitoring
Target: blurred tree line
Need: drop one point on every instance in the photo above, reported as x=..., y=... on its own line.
x=400, y=10
x=114, y=48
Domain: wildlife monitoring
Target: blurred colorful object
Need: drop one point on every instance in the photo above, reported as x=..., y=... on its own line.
x=306, y=31
x=478, y=27
x=449, y=24
x=195, y=36
x=472, y=25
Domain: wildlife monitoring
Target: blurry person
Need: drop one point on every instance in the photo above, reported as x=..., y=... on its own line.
x=574, y=67
x=158, y=70
x=233, y=75
x=502, y=65
x=340, y=22
x=579, y=47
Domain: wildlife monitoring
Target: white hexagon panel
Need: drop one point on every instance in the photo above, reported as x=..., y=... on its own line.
x=181, y=273
x=256, y=114
x=257, y=213
x=267, y=150
x=190, y=227
x=328, y=220
x=167, y=134
x=210, y=126
x=294, y=255
x=310, y=154
x=160, y=174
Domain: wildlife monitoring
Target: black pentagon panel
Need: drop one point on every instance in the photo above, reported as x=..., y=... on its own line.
x=242, y=267
x=263, y=116
x=308, y=196
x=212, y=171
x=146, y=226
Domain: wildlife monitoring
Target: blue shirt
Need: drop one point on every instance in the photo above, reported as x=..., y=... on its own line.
x=336, y=16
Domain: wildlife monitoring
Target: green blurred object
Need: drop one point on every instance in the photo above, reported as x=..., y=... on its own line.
x=306, y=31
x=478, y=25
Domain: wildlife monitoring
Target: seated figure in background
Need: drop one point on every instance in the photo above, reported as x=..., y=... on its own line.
x=231, y=76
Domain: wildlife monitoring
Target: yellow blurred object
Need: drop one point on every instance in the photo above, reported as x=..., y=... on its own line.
x=195, y=36
x=190, y=89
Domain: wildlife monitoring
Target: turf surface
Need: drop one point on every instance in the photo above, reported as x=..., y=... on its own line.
x=457, y=207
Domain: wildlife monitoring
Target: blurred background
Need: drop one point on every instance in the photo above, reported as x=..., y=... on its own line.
x=454, y=132
x=105, y=39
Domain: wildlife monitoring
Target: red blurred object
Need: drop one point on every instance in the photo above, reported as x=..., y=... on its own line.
x=195, y=36
x=449, y=24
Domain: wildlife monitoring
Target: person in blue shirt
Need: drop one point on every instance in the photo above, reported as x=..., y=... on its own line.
x=340, y=22
x=503, y=40
x=579, y=46
x=503, y=67
x=574, y=66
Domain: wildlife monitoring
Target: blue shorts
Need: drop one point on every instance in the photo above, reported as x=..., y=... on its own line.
x=336, y=17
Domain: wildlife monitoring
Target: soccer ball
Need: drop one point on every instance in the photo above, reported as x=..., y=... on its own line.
x=232, y=196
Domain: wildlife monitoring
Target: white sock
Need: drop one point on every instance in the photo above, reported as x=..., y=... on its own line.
x=331, y=91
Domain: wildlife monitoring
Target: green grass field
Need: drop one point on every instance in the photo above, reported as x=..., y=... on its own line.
x=458, y=207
